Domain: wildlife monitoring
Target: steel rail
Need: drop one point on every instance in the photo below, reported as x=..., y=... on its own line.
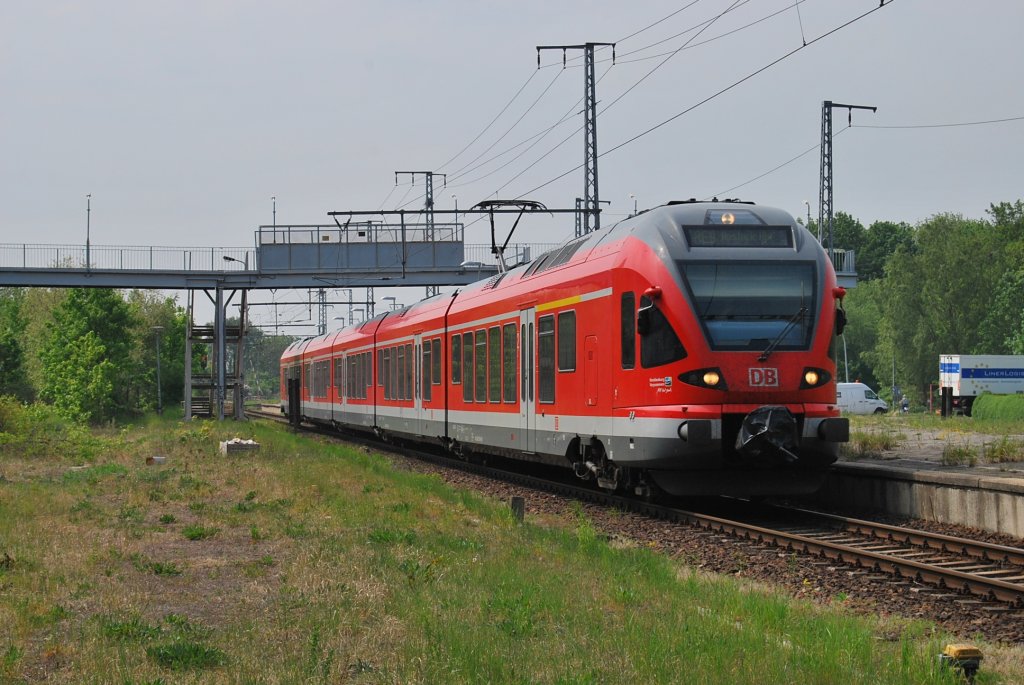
x=937, y=541
x=951, y=579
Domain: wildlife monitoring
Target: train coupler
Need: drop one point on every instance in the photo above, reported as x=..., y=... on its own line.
x=769, y=431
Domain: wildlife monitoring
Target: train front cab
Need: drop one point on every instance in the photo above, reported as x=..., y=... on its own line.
x=732, y=388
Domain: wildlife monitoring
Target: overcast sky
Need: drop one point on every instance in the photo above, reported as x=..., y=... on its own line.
x=183, y=118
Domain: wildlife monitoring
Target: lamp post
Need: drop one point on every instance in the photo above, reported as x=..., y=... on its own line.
x=88, y=212
x=807, y=205
x=273, y=199
x=393, y=305
x=159, y=395
x=245, y=264
x=632, y=196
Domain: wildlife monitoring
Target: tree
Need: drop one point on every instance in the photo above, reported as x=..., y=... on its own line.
x=882, y=240
x=936, y=297
x=1003, y=328
x=153, y=311
x=864, y=312
x=13, y=376
x=86, y=379
x=86, y=364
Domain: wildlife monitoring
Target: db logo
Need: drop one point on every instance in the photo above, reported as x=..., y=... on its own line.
x=764, y=378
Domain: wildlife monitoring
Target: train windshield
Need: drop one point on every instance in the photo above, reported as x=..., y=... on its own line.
x=753, y=305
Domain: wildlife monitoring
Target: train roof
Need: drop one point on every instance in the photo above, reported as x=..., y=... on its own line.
x=658, y=226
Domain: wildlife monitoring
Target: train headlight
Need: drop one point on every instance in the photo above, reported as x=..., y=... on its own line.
x=814, y=378
x=705, y=378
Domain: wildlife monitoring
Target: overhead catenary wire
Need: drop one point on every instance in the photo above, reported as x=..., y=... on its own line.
x=875, y=126
x=806, y=152
x=456, y=173
x=512, y=127
x=717, y=94
x=702, y=43
x=533, y=72
x=617, y=99
x=952, y=125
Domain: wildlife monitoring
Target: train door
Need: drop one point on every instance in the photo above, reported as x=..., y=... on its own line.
x=419, y=413
x=527, y=364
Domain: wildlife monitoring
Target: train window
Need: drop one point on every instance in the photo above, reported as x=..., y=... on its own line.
x=401, y=373
x=380, y=367
x=754, y=305
x=567, y=341
x=659, y=344
x=361, y=376
x=307, y=377
x=427, y=367
x=480, y=366
x=435, y=360
x=321, y=378
x=456, y=359
x=467, y=367
x=627, y=326
x=339, y=375
x=509, y=362
x=367, y=372
x=494, y=364
x=394, y=373
x=408, y=372
x=385, y=372
x=546, y=359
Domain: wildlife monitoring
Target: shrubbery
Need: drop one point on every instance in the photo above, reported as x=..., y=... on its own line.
x=34, y=430
x=1007, y=407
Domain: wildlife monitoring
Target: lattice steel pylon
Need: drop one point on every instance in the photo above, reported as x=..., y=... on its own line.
x=428, y=197
x=591, y=195
x=825, y=187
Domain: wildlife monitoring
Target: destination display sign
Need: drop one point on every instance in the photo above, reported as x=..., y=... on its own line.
x=739, y=236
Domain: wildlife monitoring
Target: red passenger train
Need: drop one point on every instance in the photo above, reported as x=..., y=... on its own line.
x=689, y=348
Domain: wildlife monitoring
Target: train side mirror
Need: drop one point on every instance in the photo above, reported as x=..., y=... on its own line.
x=840, y=321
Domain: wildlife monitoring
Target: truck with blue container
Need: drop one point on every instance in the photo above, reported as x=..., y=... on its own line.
x=964, y=377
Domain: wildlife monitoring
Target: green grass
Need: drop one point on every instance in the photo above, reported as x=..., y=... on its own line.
x=340, y=568
x=959, y=455
x=199, y=532
x=871, y=444
x=1003, y=450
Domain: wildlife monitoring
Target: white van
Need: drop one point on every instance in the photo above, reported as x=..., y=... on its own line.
x=857, y=398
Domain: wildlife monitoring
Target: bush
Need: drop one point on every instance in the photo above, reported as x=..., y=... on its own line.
x=39, y=430
x=1006, y=407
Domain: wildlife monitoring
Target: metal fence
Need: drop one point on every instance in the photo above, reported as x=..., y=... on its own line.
x=145, y=258
x=126, y=257
x=359, y=232
x=844, y=261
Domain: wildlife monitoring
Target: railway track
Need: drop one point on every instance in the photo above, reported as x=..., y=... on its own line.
x=958, y=566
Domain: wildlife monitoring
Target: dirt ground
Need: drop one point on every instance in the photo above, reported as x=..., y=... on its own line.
x=925, y=447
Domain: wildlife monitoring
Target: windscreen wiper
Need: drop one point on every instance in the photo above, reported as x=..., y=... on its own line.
x=792, y=321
